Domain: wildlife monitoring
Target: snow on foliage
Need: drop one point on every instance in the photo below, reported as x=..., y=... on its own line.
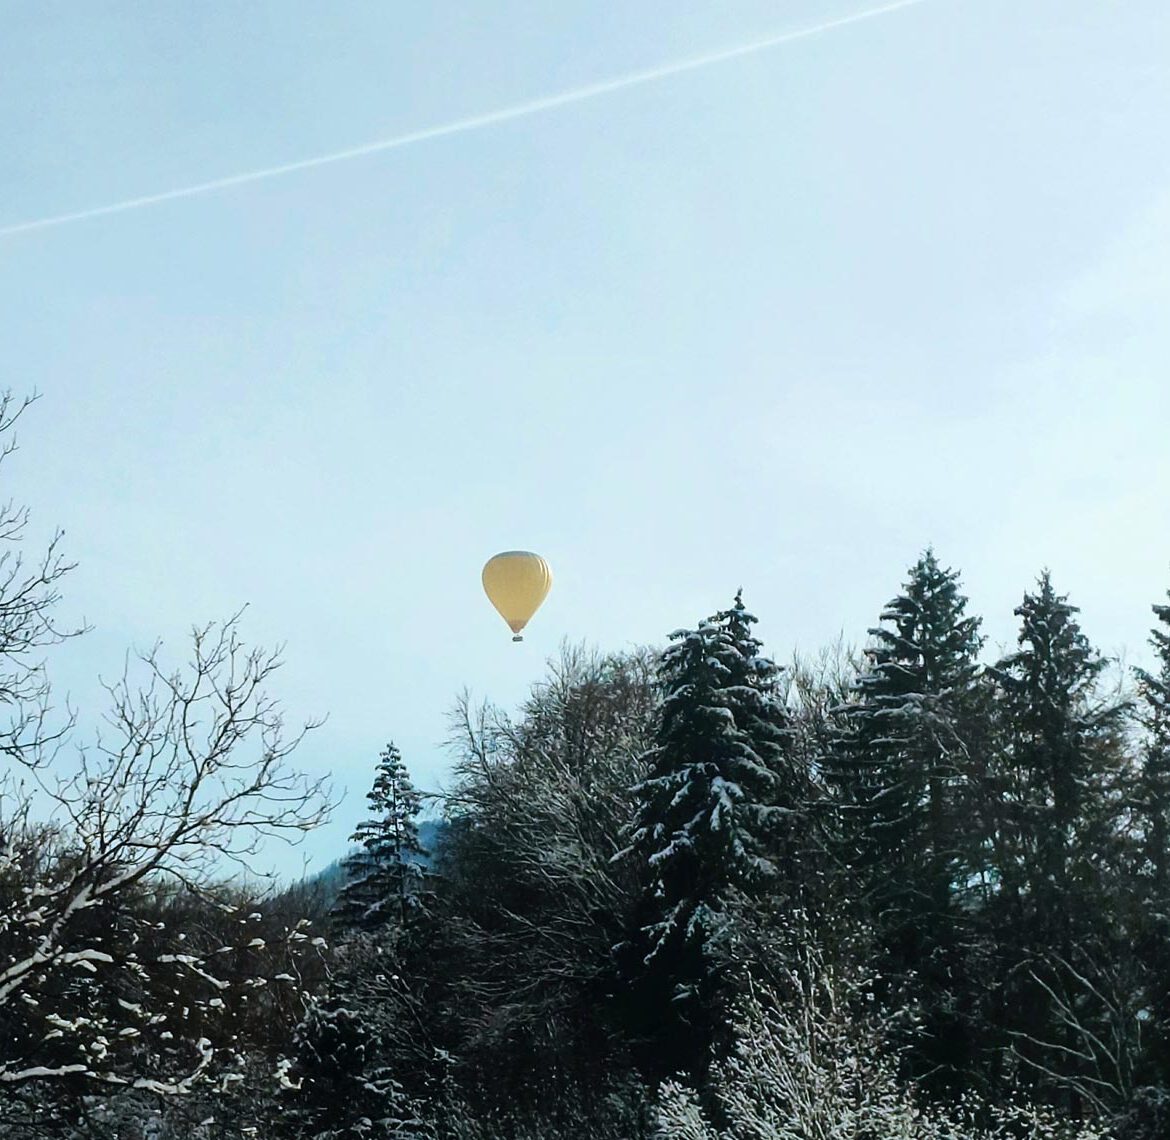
x=94, y=970
x=708, y=811
x=385, y=876
x=805, y=1064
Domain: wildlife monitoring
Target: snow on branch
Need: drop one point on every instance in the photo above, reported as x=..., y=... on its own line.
x=191, y=778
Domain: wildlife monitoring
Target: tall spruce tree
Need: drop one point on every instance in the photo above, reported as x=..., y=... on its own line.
x=1154, y=788
x=1059, y=851
x=898, y=776
x=897, y=771
x=384, y=877
x=1062, y=758
x=1151, y=921
x=709, y=821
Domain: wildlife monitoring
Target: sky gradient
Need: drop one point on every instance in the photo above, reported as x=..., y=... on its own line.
x=778, y=322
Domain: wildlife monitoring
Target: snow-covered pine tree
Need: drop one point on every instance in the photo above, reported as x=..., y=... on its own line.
x=385, y=876
x=709, y=818
x=896, y=773
x=338, y=1086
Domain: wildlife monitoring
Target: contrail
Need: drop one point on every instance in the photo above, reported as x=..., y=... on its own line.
x=459, y=126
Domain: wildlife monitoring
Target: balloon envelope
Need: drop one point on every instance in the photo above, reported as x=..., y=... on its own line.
x=516, y=582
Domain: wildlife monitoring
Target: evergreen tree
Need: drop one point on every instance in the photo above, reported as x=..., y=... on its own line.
x=1062, y=756
x=338, y=1084
x=1059, y=859
x=1154, y=796
x=710, y=818
x=385, y=876
x=897, y=771
x=1151, y=915
x=898, y=774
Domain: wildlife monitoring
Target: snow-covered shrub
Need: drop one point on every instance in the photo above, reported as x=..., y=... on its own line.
x=340, y=1085
x=116, y=972
x=678, y=1114
x=806, y=1066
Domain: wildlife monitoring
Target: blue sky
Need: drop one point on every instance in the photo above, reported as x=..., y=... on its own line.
x=779, y=323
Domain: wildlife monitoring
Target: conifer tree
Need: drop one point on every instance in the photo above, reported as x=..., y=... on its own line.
x=337, y=1084
x=1058, y=849
x=385, y=875
x=710, y=817
x=898, y=776
x=1062, y=756
x=1151, y=921
x=897, y=771
x=1154, y=795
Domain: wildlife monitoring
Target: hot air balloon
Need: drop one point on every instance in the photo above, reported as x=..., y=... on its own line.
x=516, y=582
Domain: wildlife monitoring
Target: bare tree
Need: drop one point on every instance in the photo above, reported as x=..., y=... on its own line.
x=189, y=782
x=815, y=1059
x=29, y=592
x=111, y=977
x=1097, y=1026
x=526, y=870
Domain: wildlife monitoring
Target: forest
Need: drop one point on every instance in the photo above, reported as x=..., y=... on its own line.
x=894, y=893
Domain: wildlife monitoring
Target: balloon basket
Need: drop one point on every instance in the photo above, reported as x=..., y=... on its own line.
x=517, y=638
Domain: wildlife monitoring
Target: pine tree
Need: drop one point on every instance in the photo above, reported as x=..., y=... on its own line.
x=385, y=875
x=1059, y=855
x=1062, y=755
x=1154, y=795
x=1151, y=918
x=710, y=818
x=897, y=772
x=338, y=1084
x=898, y=776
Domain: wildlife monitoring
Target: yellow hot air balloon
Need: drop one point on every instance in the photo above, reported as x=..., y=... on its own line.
x=516, y=582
